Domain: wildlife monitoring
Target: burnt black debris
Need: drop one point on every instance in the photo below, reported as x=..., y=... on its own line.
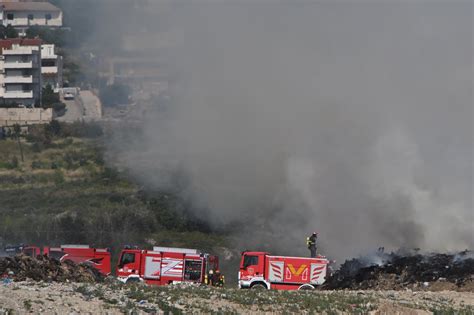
x=403, y=270
x=22, y=267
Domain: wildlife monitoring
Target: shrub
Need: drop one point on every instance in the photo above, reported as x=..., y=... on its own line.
x=58, y=177
x=54, y=128
x=4, y=164
x=82, y=130
x=59, y=108
x=35, y=164
x=40, y=136
x=14, y=163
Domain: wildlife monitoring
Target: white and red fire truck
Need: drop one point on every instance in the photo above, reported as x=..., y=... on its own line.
x=165, y=265
x=260, y=270
x=99, y=258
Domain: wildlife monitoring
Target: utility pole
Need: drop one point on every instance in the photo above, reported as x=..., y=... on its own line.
x=17, y=131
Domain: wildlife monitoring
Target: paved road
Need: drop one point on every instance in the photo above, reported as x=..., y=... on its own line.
x=74, y=110
x=92, y=106
x=85, y=107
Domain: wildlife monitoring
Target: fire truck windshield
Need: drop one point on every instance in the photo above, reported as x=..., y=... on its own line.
x=56, y=254
x=127, y=258
x=250, y=261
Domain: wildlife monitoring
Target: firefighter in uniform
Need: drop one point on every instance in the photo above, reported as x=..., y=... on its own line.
x=210, y=277
x=219, y=279
x=311, y=242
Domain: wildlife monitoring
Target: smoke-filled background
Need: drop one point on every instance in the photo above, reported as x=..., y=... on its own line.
x=353, y=119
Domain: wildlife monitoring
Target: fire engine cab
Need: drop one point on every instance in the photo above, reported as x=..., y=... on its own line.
x=27, y=250
x=260, y=270
x=165, y=265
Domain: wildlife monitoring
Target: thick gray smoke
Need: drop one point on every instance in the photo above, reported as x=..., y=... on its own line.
x=351, y=119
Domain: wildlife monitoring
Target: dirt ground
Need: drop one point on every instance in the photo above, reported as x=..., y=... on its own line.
x=113, y=298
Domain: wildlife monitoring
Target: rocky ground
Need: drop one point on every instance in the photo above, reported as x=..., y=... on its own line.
x=114, y=298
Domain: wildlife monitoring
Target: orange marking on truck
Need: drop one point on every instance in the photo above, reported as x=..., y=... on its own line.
x=296, y=272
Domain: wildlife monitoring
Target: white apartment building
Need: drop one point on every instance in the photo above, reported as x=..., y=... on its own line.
x=21, y=15
x=20, y=72
x=51, y=67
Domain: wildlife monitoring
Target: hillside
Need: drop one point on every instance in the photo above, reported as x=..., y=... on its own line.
x=64, y=192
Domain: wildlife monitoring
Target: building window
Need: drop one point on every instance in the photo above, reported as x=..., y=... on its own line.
x=10, y=16
x=47, y=16
x=30, y=16
x=48, y=63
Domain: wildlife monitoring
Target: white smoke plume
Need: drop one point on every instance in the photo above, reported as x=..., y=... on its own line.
x=351, y=119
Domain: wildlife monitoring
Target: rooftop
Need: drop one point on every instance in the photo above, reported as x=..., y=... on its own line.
x=8, y=43
x=28, y=6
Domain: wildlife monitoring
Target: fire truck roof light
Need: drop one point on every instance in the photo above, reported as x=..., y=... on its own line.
x=74, y=246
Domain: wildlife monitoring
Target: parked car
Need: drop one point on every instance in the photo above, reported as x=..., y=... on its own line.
x=69, y=96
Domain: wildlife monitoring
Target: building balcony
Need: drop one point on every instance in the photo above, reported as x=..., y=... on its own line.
x=18, y=79
x=19, y=51
x=14, y=22
x=45, y=56
x=52, y=70
x=18, y=65
x=18, y=94
x=23, y=22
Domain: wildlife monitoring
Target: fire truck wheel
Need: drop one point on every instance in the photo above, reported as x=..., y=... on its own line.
x=306, y=287
x=258, y=286
x=132, y=281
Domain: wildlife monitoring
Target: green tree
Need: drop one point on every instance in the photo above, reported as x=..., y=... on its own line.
x=51, y=36
x=48, y=97
x=72, y=71
x=8, y=32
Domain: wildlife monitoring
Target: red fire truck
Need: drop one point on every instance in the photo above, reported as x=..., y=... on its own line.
x=165, y=265
x=260, y=270
x=28, y=250
x=99, y=258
